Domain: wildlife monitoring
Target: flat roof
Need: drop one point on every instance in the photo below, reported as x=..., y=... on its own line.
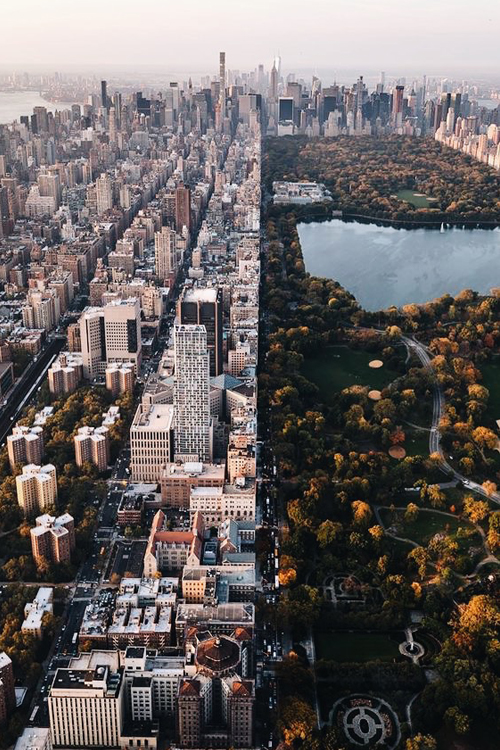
x=153, y=417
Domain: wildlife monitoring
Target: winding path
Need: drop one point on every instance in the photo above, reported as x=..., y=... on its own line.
x=438, y=405
x=489, y=556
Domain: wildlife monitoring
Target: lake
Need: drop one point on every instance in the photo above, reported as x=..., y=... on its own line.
x=384, y=266
x=13, y=104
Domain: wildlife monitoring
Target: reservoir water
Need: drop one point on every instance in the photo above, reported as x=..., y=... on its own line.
x=384, y=266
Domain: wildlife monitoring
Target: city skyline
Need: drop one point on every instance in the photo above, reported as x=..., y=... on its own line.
x=248, y=500
x=385, y=32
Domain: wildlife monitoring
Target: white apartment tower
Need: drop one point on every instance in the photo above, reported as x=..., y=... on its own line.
x=192, y=393
x=150, y=441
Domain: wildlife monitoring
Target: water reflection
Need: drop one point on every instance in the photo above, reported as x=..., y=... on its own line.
x=383, y=266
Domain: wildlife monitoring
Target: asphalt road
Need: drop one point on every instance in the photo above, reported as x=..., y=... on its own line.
x=25, y=388
x=434, y=435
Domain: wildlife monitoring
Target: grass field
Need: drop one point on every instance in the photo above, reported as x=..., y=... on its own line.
x=491, y=380
x=419, y=201
x=357, y=647
x=426, y=525
x=339, y=367
x=416, y=443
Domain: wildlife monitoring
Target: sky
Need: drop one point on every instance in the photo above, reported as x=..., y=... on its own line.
x=426, y=36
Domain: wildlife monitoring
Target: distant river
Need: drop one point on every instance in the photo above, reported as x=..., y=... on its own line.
x=383, y=266
x=13, y=104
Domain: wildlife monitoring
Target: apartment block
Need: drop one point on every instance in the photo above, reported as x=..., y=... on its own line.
x=65, y=374
x=151, y=441
x=53, y=538
x=111, y=335
x=34, y=611
x=37, y=489
x=119, y=379
x=25, y=445
x=192, y=393
x=92, y=446
x=86, y=707
x=7, y=688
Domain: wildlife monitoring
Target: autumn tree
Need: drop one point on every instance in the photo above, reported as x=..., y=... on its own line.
x=362, y=513
x=421, y=742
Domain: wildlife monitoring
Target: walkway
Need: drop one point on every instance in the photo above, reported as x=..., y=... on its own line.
x=438, y=405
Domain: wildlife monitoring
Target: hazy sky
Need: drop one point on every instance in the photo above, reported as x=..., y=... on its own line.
x=433, y=36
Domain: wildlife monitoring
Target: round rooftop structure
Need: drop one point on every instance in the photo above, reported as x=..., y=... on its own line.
x=218, y=655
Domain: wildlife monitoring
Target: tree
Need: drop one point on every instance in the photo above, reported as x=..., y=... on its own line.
x=298, y=719
x=436, y=497
x=376, y=533
x=489, y=487
x=457, y=719
x=420, y=557
x=362, y=513
x=411, y=513
x=475, y=510
x=287, y=576
x=384, y=409
x=484, y=438
x=328, y=533
x=421, y=742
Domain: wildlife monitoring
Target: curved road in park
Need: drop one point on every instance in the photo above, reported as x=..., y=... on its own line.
x=438, y=404
x=437, y=412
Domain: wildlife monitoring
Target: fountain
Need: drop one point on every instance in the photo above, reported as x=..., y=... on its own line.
x=411, y=648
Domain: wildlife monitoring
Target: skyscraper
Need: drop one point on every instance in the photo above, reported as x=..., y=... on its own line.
x=104, y=94
x=285, y=109
x=273, y=88
x=110, y=334
x=191, y=393
x=182, y=208
x=204, y=307
x=397, y=99
x=104, y=194
x=222, y=83
x=49, y=185
x=165, y=253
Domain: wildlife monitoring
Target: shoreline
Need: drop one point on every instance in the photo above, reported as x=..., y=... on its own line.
x=348, y=217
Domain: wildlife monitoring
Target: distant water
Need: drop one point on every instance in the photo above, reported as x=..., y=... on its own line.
x=13, y=104
x=488, y=103
x=383, y=266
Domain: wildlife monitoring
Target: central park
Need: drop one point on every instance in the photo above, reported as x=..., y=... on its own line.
x=387, y=472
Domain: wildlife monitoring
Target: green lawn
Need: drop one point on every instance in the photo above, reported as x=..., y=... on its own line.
x=419, y=201
x=357, y=647
x=339, y=367
x=416, y=443
x=426, y=525
x=491, y=380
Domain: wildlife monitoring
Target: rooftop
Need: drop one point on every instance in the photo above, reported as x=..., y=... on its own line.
x=154, y=417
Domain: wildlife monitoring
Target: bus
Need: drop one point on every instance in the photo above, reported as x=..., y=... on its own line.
x=33, y=714
x=74, y=639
